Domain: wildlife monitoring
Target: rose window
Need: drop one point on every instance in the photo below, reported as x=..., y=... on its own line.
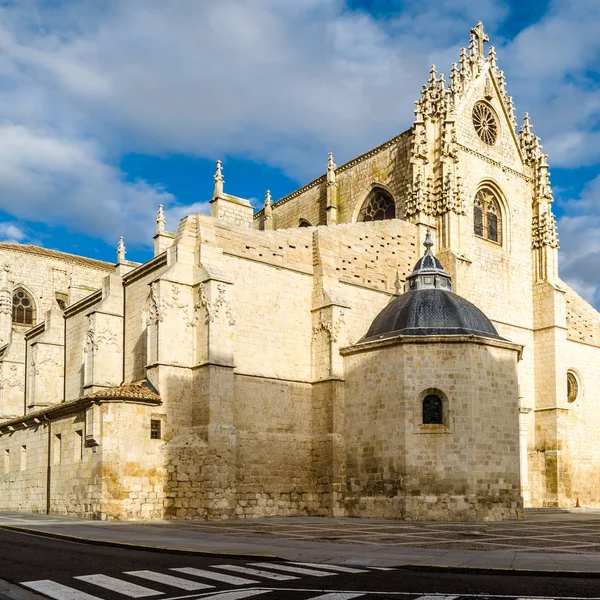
x=485, y=123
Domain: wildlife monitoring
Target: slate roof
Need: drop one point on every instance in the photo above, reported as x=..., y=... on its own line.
x=430, y=312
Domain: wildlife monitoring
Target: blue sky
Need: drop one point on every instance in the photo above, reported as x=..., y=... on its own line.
x=108, y=108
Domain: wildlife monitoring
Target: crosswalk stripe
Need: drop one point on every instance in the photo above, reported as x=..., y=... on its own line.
x=236, y=595
x=331, y=567
x=255, y=572
x=178, y=582
x=118, y=585
x=216, y=576
x=337, y=596
x=57, y=590
x=287, y=569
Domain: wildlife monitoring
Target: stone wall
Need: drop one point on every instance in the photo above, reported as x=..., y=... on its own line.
x=48, y=465
x=393, y=461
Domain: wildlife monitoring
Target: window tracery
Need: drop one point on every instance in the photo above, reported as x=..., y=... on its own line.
x=23, y=310
x=378, y=206
x=487, y=218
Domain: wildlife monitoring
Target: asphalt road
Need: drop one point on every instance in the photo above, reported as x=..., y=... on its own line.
x=74, y=571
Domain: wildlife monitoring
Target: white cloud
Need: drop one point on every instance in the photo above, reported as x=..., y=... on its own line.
x=278, y=81
x=11, y=232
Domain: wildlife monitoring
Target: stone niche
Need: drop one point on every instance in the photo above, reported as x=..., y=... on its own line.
x=465, y=467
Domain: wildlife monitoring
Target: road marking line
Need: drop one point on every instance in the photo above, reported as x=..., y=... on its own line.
x=57, y=590
x=216, y=576
x=331, y=567
x=178, y=582
x=336, y=596
x=237, y=594
x=383, y=568
x=436, y=597
x=255, y=572
x=118, y=585
x=292, y=569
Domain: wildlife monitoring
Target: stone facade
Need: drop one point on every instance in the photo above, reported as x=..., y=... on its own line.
x=258, y=397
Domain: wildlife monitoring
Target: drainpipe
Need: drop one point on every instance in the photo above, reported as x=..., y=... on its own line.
x=49, y=464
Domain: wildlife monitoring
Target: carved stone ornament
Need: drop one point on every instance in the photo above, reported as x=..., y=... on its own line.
x=155, y=310
x=544, y=230
x=221, y=307
x=331, y=329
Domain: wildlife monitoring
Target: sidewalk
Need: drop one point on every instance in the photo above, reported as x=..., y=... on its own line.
x=546, y=541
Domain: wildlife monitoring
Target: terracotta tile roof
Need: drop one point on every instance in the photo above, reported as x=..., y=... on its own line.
x=136, y=390
x=64, y=256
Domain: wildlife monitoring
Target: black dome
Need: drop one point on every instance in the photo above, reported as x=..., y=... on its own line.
x=428, y=262
x=430, y=312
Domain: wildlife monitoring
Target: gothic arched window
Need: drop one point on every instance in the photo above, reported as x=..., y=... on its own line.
x=487, y=218
x=305, y=223
x=378, y=206
x=23, y=310
x=433, y=410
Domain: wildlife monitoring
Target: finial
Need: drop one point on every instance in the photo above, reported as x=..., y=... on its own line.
x=120, y=251
x=268, y=201
x=330, y=162
x=219, y=181
x=492, y=56
x=432, y=75
x=330, y=170
x=428, y=243
x=160, y=220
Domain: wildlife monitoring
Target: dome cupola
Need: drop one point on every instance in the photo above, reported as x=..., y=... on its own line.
x=430, y=307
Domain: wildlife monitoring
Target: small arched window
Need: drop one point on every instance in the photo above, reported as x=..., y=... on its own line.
x=433, y=410
x=572, y=387
x=378, y=206
x=305, y=223
x=487, y=218
x=23, y=310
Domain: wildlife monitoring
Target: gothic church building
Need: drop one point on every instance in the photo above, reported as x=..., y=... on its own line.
x=391, y=340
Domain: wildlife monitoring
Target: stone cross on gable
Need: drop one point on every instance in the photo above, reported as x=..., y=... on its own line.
x=477, y=31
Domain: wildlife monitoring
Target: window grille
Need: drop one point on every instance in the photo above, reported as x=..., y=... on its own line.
x=433, y=410
x=155, y=429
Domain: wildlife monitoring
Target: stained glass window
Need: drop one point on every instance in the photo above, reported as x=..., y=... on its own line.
x=433, y=413
x=378, y=206
x=487, y=220
x=23, y=311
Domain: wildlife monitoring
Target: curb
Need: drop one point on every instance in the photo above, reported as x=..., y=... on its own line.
x=500, y=571
x=142, y=547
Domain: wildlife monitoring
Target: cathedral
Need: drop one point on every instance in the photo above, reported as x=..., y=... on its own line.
x=390, y=340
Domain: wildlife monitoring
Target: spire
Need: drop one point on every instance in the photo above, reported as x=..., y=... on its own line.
x=219, y=181
x=160, y=220
x=120, y=251
x=428, y=272
x=268, y=201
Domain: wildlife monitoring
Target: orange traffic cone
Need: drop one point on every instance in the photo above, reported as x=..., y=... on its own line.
x=577, y=503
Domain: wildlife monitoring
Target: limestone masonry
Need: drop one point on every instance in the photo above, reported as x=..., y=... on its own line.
x=313, y=358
